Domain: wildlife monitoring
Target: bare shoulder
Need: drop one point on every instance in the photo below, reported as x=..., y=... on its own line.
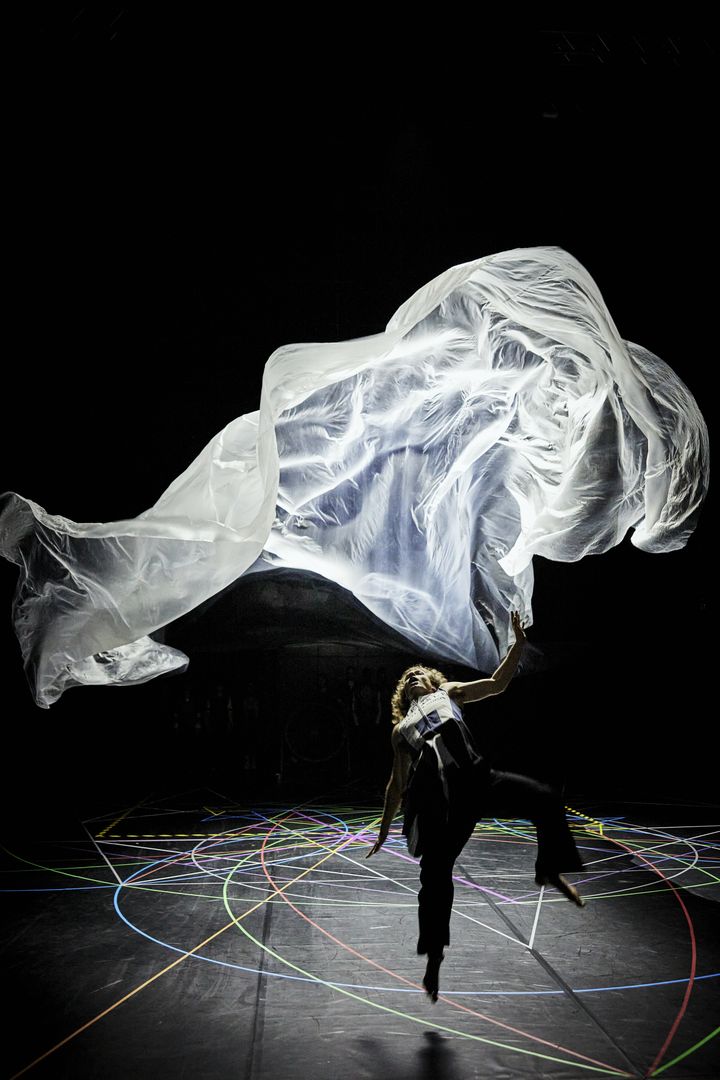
x=452, y=689
x=400, y=747
x=401, y=754
x=397, y=738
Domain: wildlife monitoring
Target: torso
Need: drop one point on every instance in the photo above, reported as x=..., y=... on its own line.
x=426, y=716
x=446, y=766
x=435, y=721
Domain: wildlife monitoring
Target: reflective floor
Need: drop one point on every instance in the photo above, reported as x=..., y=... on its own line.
x=193, y=935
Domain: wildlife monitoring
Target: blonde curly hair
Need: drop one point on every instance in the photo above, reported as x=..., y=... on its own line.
x=399, y=703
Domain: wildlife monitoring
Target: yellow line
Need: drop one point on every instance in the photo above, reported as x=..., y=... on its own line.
x=118, y=819
x=233, y=922
x=586, y=817
x=166, y=835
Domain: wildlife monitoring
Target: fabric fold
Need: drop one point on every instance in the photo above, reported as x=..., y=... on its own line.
x=499, y=415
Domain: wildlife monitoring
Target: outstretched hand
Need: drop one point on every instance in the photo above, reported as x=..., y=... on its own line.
x=377, y=845
x=517, y=627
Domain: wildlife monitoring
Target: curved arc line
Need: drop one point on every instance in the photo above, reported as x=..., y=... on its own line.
x=454, y=1004
x=693, y=957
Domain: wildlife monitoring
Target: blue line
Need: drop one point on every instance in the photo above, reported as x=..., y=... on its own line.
x=173, y=857
x=66, y=888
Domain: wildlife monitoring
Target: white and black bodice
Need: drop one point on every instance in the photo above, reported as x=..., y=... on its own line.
x=435, y=720
x=444, y=759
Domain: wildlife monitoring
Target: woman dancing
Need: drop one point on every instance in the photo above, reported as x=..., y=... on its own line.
x=448, y=787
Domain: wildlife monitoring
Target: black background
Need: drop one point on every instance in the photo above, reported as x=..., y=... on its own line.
x=185, y=194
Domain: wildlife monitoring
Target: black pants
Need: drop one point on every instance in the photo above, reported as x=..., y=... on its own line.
x=444, y=835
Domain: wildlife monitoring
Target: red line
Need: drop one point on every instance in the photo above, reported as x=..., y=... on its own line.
x=186, y=856
x=417, y=986
x=693, y=954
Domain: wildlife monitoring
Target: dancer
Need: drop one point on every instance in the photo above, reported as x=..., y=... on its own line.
x=447, y=787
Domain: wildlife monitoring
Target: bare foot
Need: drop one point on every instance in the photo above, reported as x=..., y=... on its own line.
x=431, y=978
x=568, y=890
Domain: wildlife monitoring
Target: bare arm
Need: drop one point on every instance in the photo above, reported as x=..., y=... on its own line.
x=500, y=678
x=393, y=792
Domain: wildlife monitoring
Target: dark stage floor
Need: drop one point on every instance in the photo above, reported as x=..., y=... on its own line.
x=194, y=936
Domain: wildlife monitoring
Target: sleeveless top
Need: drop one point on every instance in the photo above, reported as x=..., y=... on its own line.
x=445, y=761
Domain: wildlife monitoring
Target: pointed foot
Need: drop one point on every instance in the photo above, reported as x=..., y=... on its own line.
x=562, y=885
x=431, y=978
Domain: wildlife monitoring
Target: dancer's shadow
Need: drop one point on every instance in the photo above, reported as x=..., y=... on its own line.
x=437, y=1060
x=434, y=1059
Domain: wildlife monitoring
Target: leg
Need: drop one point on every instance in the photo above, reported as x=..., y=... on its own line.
x=431, y=978
x=441, y=846
x=512, y=795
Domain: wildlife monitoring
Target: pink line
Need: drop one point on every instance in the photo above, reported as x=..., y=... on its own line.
x=693, y=955
x=407, y=858
x=408, y=982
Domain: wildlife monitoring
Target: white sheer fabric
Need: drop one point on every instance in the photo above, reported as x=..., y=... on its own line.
x=498, y=416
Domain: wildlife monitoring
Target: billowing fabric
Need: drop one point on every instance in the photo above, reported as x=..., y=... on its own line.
x=498, y=416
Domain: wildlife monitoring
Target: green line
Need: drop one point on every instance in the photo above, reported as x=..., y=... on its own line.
x=397, y=1012
x=686, y=1053
x=637, y=892
x=132, y=885
x=280, y=844
x=655, y=850
x=63, y=873
x=38, y=868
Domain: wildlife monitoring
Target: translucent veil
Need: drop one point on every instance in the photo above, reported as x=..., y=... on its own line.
x=498, y=416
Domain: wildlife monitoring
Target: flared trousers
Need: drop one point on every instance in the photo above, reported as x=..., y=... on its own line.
x=444, y=831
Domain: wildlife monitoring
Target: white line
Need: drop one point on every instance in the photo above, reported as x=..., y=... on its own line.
x=537, y=916
x=102, y=854
x=402, y=885
x=653, y=849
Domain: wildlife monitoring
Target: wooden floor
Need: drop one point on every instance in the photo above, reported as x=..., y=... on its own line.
x=195, y=936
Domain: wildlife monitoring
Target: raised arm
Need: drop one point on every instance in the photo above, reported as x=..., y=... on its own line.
x=394, y=790
x=500, y=678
